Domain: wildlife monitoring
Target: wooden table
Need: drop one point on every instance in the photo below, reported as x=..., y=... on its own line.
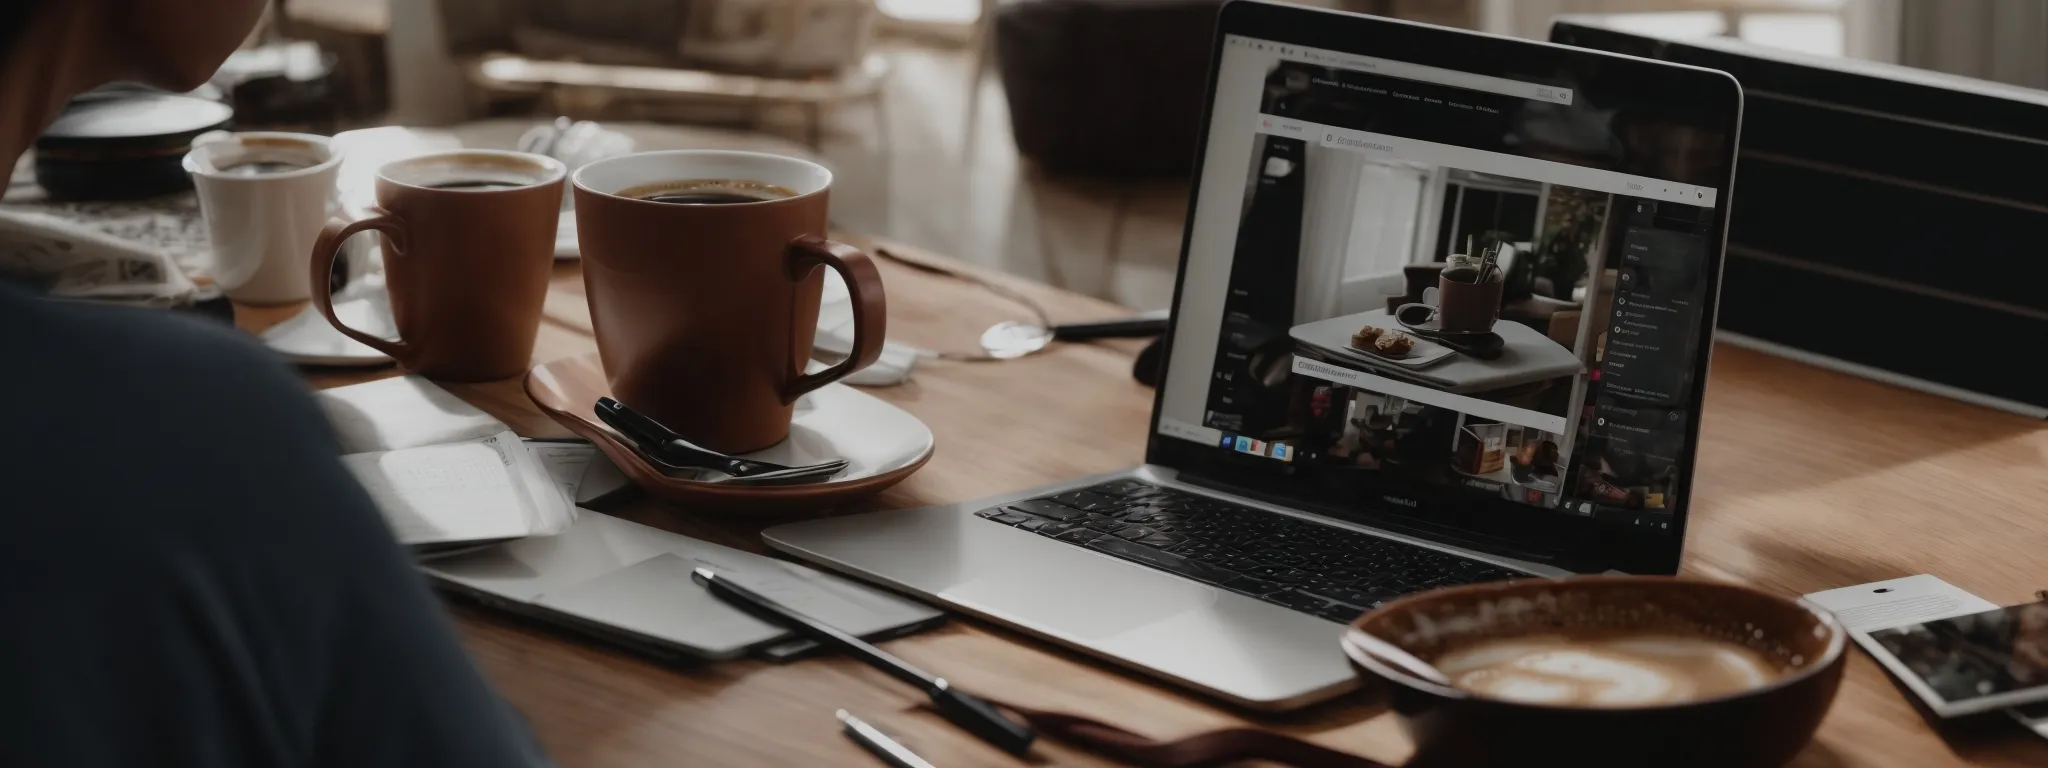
x=1807, y=480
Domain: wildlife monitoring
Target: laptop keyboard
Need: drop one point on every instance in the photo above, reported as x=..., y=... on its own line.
x=1317, y=569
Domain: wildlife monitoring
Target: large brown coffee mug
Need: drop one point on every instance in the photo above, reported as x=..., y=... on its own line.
x=705, y=310
x=469, y=245
x=1764, y=725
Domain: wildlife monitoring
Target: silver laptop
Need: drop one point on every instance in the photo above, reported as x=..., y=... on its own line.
x=1339, y=424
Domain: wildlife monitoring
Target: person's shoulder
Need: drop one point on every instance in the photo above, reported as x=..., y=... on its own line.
x=119, y=411
x=117, y=336
x=161, y=365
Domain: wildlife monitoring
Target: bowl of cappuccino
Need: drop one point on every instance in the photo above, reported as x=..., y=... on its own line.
x=1602, y=671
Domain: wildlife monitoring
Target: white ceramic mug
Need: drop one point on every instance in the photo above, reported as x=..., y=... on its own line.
x=265, y=197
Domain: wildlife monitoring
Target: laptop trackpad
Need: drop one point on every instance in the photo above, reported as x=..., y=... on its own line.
x=1081, y=594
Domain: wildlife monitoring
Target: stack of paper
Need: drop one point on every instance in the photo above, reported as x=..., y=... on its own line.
x=405, y=412
x=444, y=473
x=491, y=489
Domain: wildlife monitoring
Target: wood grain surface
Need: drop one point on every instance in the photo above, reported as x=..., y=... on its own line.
x=1807, y=480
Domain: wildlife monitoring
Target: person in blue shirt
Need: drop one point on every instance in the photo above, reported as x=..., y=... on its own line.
x=188, y=576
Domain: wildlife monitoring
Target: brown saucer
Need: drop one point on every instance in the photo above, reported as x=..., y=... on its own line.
x=885, y=443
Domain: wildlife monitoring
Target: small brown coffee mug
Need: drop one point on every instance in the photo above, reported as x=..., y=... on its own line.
x=1465, y=307
x=469, y=245
x=701, y=268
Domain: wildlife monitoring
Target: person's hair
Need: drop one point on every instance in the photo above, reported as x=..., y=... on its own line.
x=14, y=16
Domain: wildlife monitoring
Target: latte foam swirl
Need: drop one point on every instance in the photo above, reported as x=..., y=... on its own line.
x=1613, y=672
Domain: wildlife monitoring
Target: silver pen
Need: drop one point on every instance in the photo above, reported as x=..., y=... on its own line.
x=879, y=743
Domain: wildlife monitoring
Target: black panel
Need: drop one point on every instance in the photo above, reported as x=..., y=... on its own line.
x=1888, y=217
x=1927, y=338
x=1899, y=151
x=1898, y=91
x=1995, y=252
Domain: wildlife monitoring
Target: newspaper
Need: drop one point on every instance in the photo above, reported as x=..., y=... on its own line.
x=138, y=252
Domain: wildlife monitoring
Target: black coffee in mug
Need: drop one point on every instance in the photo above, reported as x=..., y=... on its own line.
x=708, y=192
x=476, y=184
x=264, y=168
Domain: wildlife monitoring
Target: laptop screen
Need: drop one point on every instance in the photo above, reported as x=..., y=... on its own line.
x=1446, y=294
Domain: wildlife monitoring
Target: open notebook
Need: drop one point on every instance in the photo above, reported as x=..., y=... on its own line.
x=446, y=474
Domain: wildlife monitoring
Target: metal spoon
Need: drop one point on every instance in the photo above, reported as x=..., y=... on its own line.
x=668, y=449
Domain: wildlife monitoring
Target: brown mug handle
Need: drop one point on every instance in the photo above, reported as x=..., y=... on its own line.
x=870, y=307
x=328, y=246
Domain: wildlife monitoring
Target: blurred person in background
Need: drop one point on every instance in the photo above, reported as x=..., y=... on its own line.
x=188, y=575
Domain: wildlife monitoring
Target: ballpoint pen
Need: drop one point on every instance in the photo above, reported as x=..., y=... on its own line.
x=896, y=755
x=964, y=710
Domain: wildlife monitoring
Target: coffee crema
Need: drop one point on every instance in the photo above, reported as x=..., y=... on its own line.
x=1620, y=671
x=709, y=192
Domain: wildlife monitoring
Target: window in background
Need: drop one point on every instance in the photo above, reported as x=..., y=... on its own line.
x=962, y=12
x=1814, y=28
x=1816, y=33
x=1670, y=24
x=1479, y=208
x=1808, y=26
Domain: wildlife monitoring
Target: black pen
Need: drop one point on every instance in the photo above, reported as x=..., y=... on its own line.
x=879, y=743
x=975, y=715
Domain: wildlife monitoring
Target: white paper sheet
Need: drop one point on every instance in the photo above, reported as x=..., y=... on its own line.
x=403, y=412
x=601, y=479
x=1898, y=602
x=565, y=464
x=479, y=490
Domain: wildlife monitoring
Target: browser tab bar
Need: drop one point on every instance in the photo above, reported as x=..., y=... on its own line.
x=1404, y=70
x=1415, y=150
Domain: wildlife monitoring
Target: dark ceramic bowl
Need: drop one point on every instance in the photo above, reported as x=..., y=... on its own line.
x=123, y=145
x=1763, y=726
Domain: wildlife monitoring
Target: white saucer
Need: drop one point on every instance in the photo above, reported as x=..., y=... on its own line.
x=308, y=339
x=884, y=443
